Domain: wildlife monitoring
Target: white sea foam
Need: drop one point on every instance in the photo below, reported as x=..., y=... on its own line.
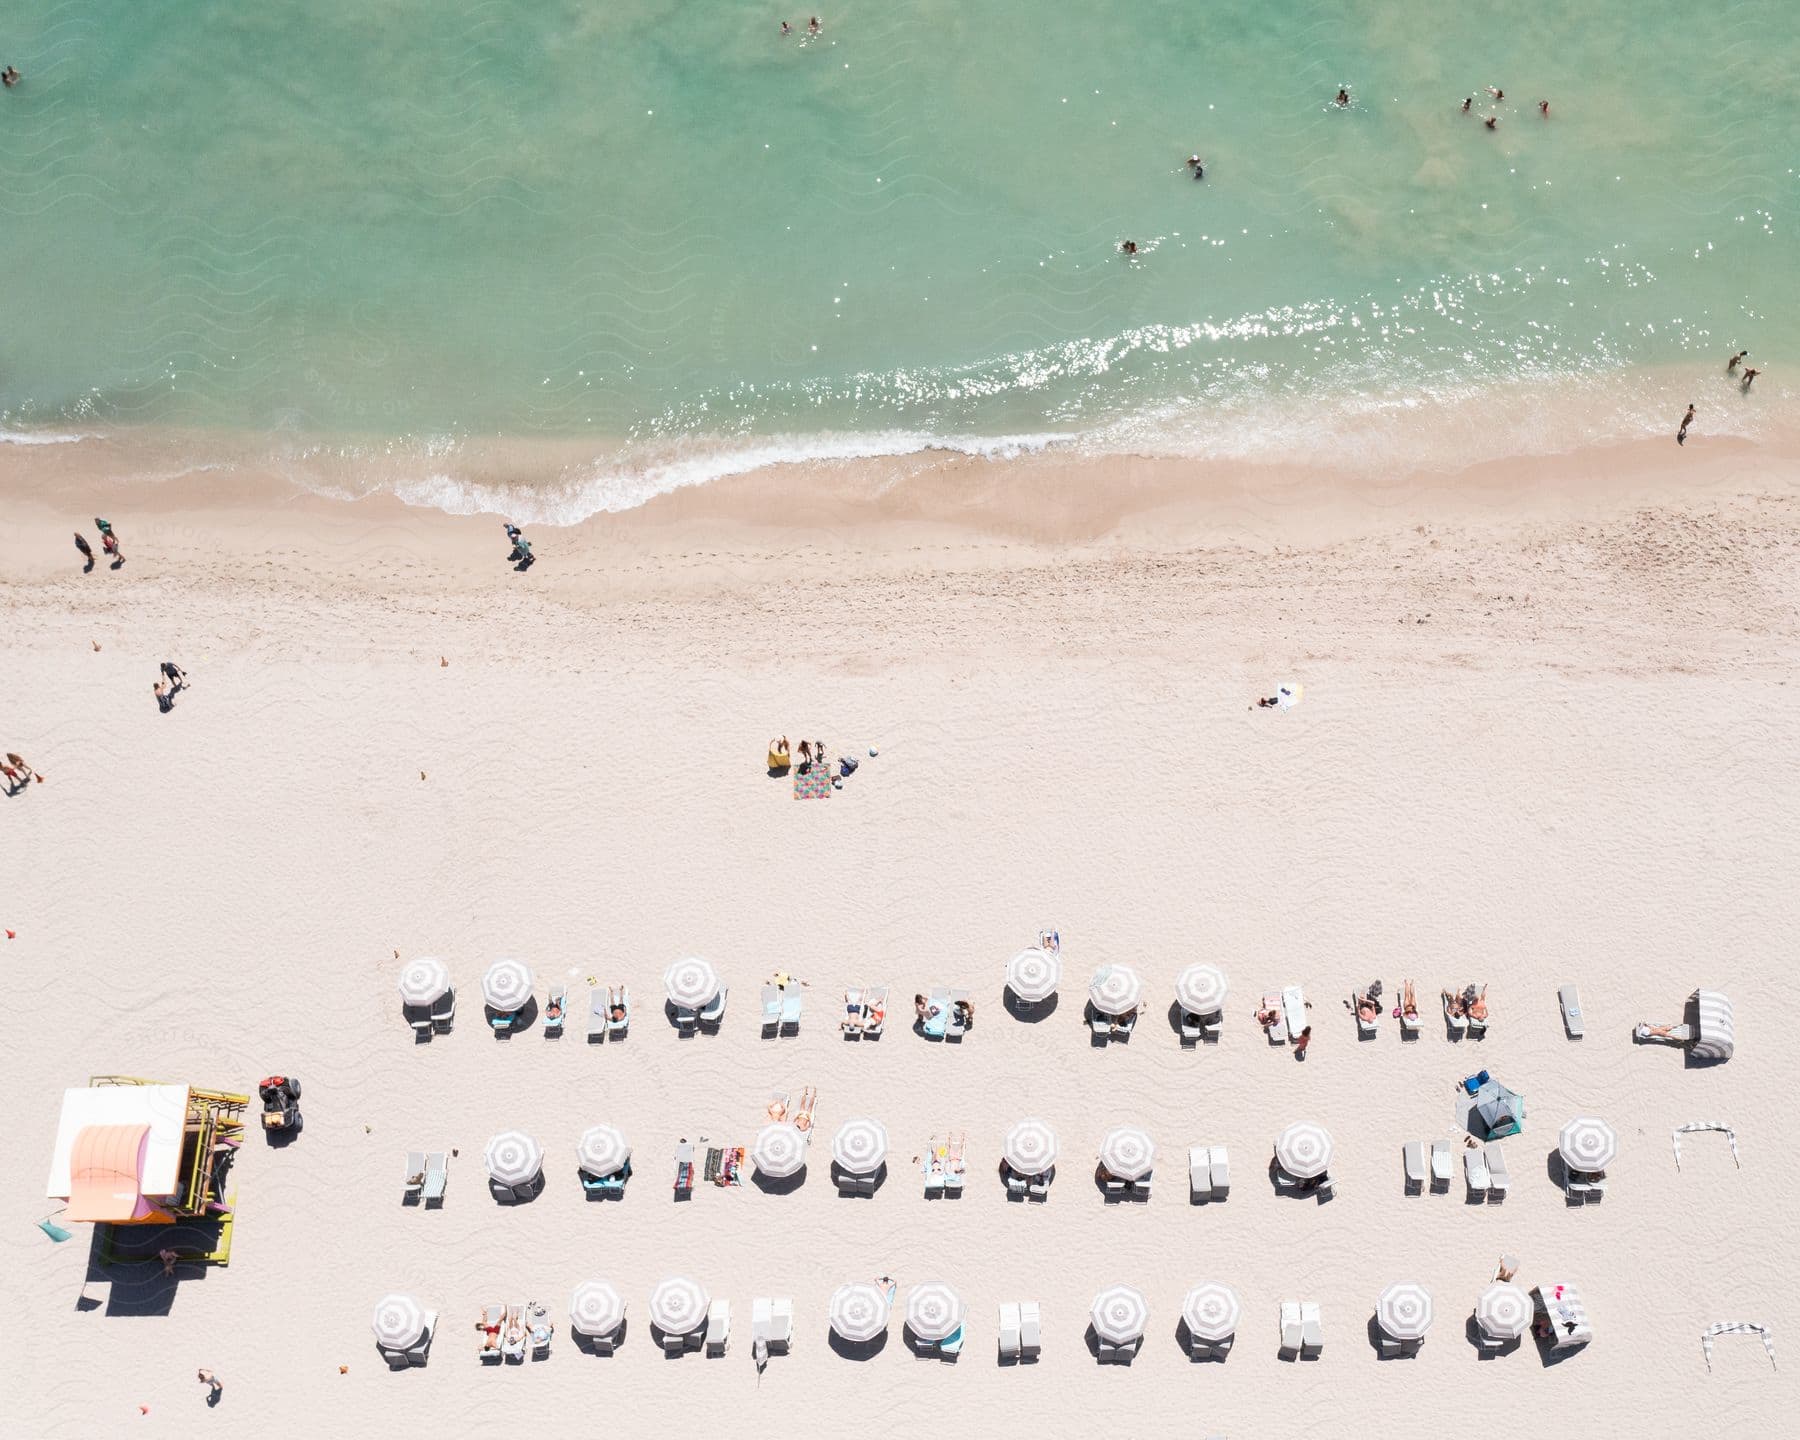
x=40, y=437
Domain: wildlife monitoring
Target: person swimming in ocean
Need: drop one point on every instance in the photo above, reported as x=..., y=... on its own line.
x=1491, y=122
x=1498, y=94
x=1544, y=108
x=1130, y=249
x=813, y=27
x=786, y=29
x=1735, y=361
x=1467, y=103
x=1750, y=374
x=1343, y=96
x=1198, y=166
x=10, y=77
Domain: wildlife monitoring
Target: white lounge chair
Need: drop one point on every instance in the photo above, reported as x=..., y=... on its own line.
x=1410, y=1025
x=1499, y=1181
x=597, y=1013
x=559, y=1003
x=1312, y=1328
x=1293, y=1009
x=851, y=1021
x=1200, y=1172
x=1015, y=1185
x=419, y=1017
x=1277, y=1028
x=1038, y=1188
x=771, y=1009
x=1440, y=1165
x=1101, y=1025
x=444, y=1012
x=793, y=1000
x=619, y=999
x=1290, y=1327
x=1478, y=1027
x=1190, y=1028
x=415, y=1173
x=1009, y=1331
x=437, y=1177
x=1365, y=1025
x=1571, y=1012
x=1219, y=1163
x=1475, y=1174
x=954, y=1028
x=1115, y=1187
x=1030, y=1327
x=718, y=1326
x=715, y=1008
x=875, y=1012
x=1458, y=1024
x=1413, y=1155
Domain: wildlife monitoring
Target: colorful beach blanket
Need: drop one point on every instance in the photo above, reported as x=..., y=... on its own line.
x=814, y=785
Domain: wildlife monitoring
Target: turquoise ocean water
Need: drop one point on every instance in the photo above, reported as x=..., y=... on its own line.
x=675, y=244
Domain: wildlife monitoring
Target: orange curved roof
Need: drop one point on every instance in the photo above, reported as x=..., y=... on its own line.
x=105, y=1166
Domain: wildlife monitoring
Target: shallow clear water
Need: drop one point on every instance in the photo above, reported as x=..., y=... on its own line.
x=662, y=225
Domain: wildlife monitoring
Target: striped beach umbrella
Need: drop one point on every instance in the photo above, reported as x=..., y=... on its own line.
x=678, y=1306
x=860, y=1146
x=692, y=984
x=507, y=985
x=1736, y=1327
x=933, y=1310
x=1116, y=989
x=1127, y=1152
x=596, y=1308
x=1715, y=1035
x=603, y=1150
x=1120, y=1315
x=424, y=981
x=1200, y=989
x=1504, y=1310
x=1587, y=1143
x=1303, y=1150
x=778, y=1151
x=513, y=1158
x=1033, y=974
x=1029, y=1147
x=399, y=1322
x=1212, y=1311
x=859, y=1311
x=1404, y=1310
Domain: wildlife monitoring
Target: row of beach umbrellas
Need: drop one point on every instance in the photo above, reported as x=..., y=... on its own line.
x=693, y=984
x=861, y=1311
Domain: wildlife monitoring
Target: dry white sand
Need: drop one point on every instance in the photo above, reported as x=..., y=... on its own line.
x=1536, y=747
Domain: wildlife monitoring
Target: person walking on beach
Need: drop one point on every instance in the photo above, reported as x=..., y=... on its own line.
x=165, y=700
x=1686, y=420
x=213, y=1386
x=25, y=771
x=109, y=542
x=87, y=551
x=175, y=675
x=1736, y=360
x=1301, y=1042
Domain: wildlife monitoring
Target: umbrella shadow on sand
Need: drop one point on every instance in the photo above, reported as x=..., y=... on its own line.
x=857, y=1349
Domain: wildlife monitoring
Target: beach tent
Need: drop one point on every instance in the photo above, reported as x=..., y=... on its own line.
x=1694, y=1125
x=1736, y=1327
x=678, y=1306
x=1492, y=1113
x=860, y=1146
x=859, y=1311
x=1715, y=1034
x=1033, y=975
x=1565, y=1317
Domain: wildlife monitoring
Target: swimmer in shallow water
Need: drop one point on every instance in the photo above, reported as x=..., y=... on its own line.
x=1491, y=121
x=1496, y=93
x=786, y=29
x=1544, y=108
x=1343, y=96
x=1130, y=249
x=10, y=76
x=813, y=27
x=1198, y=166
x=1467, y=103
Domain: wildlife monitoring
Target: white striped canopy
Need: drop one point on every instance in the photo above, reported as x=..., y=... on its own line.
x=596, y=1308
x=1693, y=1125
x=1120, y=1315
x=1504, y=1310
x=513, y=1158
x=860, y=1146
x=778, y=1151
x=424, y=981
x=692, y=984
x=859, y=1311
x=1212, y=1311
x=933, y=1310
x=678, y=1306
x=1200, y=989
x=1116, y=989
x=1717, y=1036
x=603, y=1150
x=1736, y=1327
x=1029, y=1147
x=1127, y=1152
x=507, y=985
x=1034, y=974
x=1587, y=1143
x=1303, y=1150
x=1404, y=1310
x=399, y=1322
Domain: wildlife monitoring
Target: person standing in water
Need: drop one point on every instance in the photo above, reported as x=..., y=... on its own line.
x=1198, y=166
x=10, y=76
x=1749, y=375
x=1544, y=108
x=1467, y=103
x=1343, y=96
x=1735, y=361
x=1686, y=420
x=1492, y=122
x=1130, y=250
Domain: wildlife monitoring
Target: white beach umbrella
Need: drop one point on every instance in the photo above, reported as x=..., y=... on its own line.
x=933, y=1310
x=1029, y=1147
x=424, y=981
x=1120, y=1315
x=1404, y=1310
x=1504, y=1310
x=1212, y=1311
x=678, y=1306
x=1303, y=1150
x=778, y=1151
x=1587, y=1143
x=1033, y=974
x=1127, y=1152
x=1115, y=989
x=1200, y=989
x=859, y=1311
x=1287, y=695
x=596, y=1308
x=692, y=984
x=603, y=1150
x=399, y=1322
x=507, y=985
x=513, y=1158
x=860, y=1146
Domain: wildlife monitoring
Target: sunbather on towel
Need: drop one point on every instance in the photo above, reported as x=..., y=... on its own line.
x=1366, y=1008
x=1475, y=1003
x=1409, y=1004
x=1269, y=1014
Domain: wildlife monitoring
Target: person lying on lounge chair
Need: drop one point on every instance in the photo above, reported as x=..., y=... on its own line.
x=1409, y=1003
x=1453, y=1006
x=1366, y=1008
x=554, y=1010
x=1268, y=1015
x=1475, y=1003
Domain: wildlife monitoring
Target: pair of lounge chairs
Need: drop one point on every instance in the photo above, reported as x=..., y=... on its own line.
x=612, y=1186
x=1460, y=1022
x=417, y=1354
x=1121, y=1189
x=1111, y=1354
x=944, y=1015
x=1286, y=1015
x=602, y=1023
x=1209, y=1172
x=1195, y=1028
x=945, y=1167
x=1021, y=1330
x=707, y=1018
x=1585, y=1187
x=865, y=1012
x=1302, y=1330
x=1485, y=1173
x=508, y=1333
x=1111, y=1027
x=771, y=1326
x=781, y=1009
x=1413, y=1157
x=427, y=1175
x=427, y=1020
x=1027, y=1187
x=1324, y=1186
